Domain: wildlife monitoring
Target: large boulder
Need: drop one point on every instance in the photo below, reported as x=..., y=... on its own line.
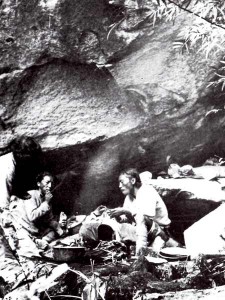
x=102, y=89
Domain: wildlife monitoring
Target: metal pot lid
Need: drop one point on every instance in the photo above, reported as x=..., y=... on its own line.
x=174, y=251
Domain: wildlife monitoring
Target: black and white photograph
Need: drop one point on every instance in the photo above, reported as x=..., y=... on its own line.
x=112, y=149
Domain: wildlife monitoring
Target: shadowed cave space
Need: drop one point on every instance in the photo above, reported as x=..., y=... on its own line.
x=87, y=176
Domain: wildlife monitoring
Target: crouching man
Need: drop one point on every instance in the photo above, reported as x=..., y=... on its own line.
x=37, y=217
x=144, y=204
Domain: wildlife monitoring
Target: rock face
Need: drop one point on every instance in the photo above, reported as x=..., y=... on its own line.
x=101, y=89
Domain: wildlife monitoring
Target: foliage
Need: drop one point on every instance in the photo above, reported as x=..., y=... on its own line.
x=206, y=34
x=208, y=26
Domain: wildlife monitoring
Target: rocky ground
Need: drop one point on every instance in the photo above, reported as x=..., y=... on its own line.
x=127, y=279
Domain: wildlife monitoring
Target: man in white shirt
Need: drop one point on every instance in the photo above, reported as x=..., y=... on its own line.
x=144, y=204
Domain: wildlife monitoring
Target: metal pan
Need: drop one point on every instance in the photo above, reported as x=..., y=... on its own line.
x=67, y=253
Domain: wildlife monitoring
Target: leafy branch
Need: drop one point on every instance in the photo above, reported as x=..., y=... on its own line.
x=205, y=34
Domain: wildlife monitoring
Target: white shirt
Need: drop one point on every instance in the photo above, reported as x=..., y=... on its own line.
x=148, y=202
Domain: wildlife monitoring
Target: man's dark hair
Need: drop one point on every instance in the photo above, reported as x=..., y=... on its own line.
x=132, y=173
x=25, y=147
x=41, y=176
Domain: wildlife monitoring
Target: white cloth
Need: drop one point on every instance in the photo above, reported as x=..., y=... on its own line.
x=206, y=236
x=148, y=203
x=92, y=223
x=7, y=172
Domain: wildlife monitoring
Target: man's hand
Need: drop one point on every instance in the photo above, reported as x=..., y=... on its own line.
x=63, y=223
x=99, y=210
x=115, y=212
x=48, y=196
x=63, y=220
x=123, y=219
x=60, y=231
x=41, y=244
x=121, y=215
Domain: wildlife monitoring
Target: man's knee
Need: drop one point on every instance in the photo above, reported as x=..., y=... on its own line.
x=164, y=235
x=148, y=223
x=155, y=230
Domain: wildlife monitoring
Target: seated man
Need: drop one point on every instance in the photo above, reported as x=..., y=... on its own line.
x=145, y=205
x=36, y=214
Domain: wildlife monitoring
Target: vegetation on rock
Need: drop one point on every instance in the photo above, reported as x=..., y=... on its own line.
x=205, y=33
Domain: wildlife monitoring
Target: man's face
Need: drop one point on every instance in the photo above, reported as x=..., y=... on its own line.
x=126, y=184
x=46, y=184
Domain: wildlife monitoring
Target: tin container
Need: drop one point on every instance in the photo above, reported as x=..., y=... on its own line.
x=68, y=253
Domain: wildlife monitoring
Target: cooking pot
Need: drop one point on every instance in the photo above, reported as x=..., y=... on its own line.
x=68, y=253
